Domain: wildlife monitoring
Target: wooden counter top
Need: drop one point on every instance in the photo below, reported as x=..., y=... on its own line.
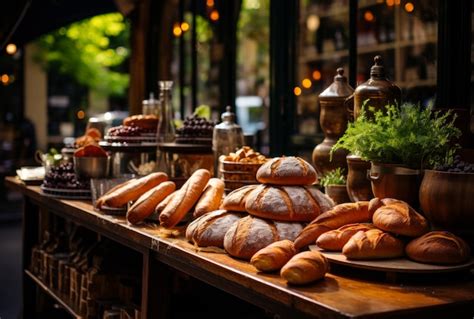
x=341, y=294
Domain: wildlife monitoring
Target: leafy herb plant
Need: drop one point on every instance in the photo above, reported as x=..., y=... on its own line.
x=408, y=135
x=334, y=177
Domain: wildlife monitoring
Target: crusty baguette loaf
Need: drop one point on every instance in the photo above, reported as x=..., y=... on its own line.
x=236, y=199
x=161, y=205
x=131, y=191
x=185, y=198
x=211, y=198
x=376, y=203
x=101, y=200
x=283, y=203
x=438, y=247
x=145, y=205
x=399, y=218
x=210, y=228
x=305, y=268
x=274, y=256
x=339, y=215
x=373, y=244
x=288, y=170
x=336, y=239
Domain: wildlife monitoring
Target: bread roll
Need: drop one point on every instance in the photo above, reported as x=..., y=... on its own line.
x=283, y=203
x=145, y=205
x=287, y=171
x=210, y=228
x=438, y=247
x=132, y=190
x=236, y=199
x=336, y=239
x=185, y=198
x=211, y=198
x=274, y=256
x=305, y=268
x=250, y=234
x=149, y=122
x=399, y=218
x=373, y=244
x=339, y=215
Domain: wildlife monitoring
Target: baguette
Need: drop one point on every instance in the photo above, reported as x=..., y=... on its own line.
x=102, y=199
x=335, y=239
x=185, y=198
x=236, y=199
x=161, y=205
x=309, y=235
x=211, y=198
x=373, y=244
x=132, y=190
x=305, y=268
x=274, y=256
x=146, y=204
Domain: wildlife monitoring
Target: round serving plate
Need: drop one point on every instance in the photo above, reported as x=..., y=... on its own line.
x=65, y=193
x=122, y=211
x=397, y=265
x=150, y=138
x=143, y=147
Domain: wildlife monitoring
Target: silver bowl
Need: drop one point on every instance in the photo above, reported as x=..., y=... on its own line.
x=92, y=167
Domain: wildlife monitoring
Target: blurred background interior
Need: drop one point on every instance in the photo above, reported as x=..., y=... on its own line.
x=64, y=62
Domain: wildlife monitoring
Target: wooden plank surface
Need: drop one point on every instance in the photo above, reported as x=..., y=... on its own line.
x=338, y=295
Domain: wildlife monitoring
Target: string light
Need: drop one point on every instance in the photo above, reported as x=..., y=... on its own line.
x=81, y=114
x=306, y=83
x=11, y=48
x=297, y=91
x=316, y=75
x=214, y=15
x=210, y=3
x=369, y=16
x=4, y=79
x=409, y=7
x=390, y=3
x=185, y=26
x=177, y=30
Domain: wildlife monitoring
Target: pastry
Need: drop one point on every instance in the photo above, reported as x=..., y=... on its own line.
x=336, y=239
x=211, y=198
x=288, y=170
x=373, y=244
x=274, y=256
x=305, y=268
x=236, y=199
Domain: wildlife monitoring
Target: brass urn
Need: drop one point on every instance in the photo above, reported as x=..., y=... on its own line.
x=333, y=119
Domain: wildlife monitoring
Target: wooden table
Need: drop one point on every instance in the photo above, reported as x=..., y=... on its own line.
x=340, y=295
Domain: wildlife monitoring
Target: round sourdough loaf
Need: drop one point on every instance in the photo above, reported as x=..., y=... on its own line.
x=287, y=203
x=250, y=234
x=210, y=229
x=438, y=247
x=287, y=171
x=236, y=199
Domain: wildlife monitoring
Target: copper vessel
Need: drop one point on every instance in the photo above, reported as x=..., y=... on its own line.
x=358, y=185
x=378, y=89
x=333, y=119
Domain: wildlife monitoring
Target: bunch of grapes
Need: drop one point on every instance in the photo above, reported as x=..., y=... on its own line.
x=126, y=131
x=195, y=126
x=62, y=176
x=458, y=166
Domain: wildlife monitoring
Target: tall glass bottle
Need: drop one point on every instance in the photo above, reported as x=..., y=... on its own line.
x=166, y=130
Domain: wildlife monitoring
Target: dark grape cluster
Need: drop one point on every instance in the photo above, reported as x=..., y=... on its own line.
x=195, y=126
x=62, y=176
x=127, y=131
x=458, y=166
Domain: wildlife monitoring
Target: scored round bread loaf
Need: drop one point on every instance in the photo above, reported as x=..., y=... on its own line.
x=305, y=268
x=274, y=256
x=250, y=234
x=210, y=228
x=373, y=244
x=438, y=247
x=284, y=203
x=287, y=170
x=399, y=218
x=236, y=199
x=336, y=239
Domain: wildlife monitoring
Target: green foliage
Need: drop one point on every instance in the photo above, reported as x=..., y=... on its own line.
x=407, y=135
x=334, y=177
x=203, y=111
x=90, y=51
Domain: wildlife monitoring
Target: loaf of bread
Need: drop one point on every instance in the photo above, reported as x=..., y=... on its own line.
x=373, y=244
x=438, y=247
x=211, y=198
x=236, y=199
x=376, y=203
x=145, y=205
x=339, y=215
x=161, y=205
x=250, y=234
x=130, y=191
x=305, y=268
x=336, y=239
x=274, y=256
x=399, y=218
x=283, y=203
x=210, y=228
x=185, y=198
x=149, y=122
x=287, y=171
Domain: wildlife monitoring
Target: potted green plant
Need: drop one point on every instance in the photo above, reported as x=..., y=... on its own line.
x=334, y=183
x=400, y=142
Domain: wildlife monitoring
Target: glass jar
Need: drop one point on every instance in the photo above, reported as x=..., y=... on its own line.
x=151, y=106
x=166, y=129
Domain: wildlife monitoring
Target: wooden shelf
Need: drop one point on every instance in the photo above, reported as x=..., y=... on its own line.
x=55, y=295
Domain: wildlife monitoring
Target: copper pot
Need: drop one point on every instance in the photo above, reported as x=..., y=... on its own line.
x=358, y=186
x=338, y=193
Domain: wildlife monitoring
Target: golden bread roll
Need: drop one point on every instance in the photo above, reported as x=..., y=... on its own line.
x=373, y=244
x=287, y=170
x=210, y=228
x=336, y=239
x=305, y=268
x=145, y=205
x=399, y=218
x=185, y=198
x=283, y=203
x=211, y=198
x=131, y=190
x=236, y=199
x=149, y=122
x=438, y=247
x=274, y=256
x=376, y=203
x=309, y=235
